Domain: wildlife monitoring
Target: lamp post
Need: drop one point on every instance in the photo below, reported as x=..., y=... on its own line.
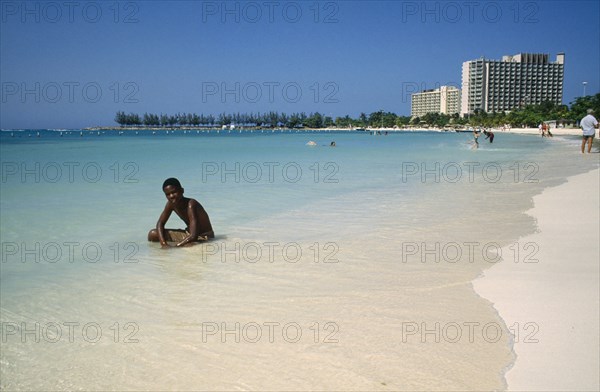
x=584, y=84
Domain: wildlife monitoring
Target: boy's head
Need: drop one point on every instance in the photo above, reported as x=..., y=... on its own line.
x=173, y=190
x=173, y=182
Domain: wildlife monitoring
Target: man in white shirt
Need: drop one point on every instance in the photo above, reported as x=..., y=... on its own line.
x=588, y=125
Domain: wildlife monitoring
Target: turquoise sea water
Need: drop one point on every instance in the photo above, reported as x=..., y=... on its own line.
x=351, y=246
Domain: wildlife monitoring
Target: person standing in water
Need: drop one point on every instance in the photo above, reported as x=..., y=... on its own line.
x=475, y=139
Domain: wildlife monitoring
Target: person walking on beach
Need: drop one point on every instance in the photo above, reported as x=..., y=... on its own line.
x=588, y=125
x=545, y=130
x=189, y=210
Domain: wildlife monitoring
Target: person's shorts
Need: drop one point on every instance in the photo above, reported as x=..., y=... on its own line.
x=585, y=137
x=180, y=235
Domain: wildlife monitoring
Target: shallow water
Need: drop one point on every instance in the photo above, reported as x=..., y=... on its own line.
x=333, y=268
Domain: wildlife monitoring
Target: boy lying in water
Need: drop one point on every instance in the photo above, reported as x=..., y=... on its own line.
x=189, y=210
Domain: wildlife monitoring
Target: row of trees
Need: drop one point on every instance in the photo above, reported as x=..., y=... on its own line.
x=270, y=119
x=530, y=116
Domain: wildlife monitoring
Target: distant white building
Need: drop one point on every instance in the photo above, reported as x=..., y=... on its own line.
x=445, y=100
x=513, y=82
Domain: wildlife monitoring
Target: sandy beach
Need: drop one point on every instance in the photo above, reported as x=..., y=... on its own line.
x=535, y=131
x=551, y=304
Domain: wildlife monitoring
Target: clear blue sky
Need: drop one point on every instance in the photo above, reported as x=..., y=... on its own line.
x=69, y=64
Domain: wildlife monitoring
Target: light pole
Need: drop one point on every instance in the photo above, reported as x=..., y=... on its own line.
x=584, y=84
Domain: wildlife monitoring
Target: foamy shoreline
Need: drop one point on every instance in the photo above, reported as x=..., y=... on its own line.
x=552, y=305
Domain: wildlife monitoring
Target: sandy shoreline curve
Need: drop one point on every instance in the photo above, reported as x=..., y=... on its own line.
x=552, y=305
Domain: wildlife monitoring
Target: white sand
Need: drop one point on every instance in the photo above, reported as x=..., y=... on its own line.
x=535, y=131
x=559, y=295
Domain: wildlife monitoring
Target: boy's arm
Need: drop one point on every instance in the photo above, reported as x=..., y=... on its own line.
x=194, y=224
x=160, y=225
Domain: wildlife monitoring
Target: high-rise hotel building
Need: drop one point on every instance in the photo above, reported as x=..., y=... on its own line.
x=445, y=99
x=513, y=82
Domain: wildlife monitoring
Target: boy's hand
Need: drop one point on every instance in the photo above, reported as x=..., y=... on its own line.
x=184, y=243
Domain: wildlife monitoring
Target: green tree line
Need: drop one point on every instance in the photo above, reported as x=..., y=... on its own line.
x=530, y=116
x=270, y=119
